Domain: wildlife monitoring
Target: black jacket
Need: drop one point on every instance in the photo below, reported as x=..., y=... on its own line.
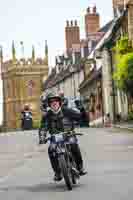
x=61, y=121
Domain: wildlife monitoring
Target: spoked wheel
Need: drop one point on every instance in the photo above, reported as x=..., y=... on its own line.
x=74, y=175
x=65, y=172
x=74, y=172
x=74, y=180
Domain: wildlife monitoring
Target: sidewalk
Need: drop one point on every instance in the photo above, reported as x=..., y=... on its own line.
x=124, y=125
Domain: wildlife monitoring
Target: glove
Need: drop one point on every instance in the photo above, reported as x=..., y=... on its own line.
x=42, y=135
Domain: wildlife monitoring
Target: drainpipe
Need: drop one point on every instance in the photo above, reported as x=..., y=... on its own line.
x=113, y=87
x=102, y=100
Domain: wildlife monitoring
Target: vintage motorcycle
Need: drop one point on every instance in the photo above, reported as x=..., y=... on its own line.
x=64, y=155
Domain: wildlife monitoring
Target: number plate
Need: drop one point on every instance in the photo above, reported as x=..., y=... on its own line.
x=59, y=138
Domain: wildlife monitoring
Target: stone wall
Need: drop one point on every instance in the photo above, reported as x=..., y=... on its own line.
x=22, y=85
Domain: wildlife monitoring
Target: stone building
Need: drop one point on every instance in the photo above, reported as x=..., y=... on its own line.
x=116, y=102
x=119, y=6
x=22, y=84
x=69, y=72
x=91, y=89
x=66, y=80
x=101, y=65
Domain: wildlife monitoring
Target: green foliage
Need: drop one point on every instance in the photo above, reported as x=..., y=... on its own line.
x=124, y=65
x=123, y=46
x=130, y=116
x=83, y=60
x=36, y=124
x=1, y=129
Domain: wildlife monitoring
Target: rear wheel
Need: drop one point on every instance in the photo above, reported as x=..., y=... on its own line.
x=65, y=172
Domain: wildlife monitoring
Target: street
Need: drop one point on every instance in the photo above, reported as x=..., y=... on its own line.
x=25, y=171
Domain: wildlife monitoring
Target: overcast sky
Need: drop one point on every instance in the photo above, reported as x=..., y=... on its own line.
x=33, y=22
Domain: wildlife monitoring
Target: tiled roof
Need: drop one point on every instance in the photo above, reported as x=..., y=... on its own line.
x=91, y=77
x=116, y=23
x=54, y=78
x=106, y=27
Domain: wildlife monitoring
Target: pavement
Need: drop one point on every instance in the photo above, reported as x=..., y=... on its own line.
x=124, y=125
x=25, y=171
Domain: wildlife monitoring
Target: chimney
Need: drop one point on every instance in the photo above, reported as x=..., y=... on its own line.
x=1, y=54
x=72, y=35
x=67, y=23
x=88, y=10
x=92, y=21
x=75, y=22
x=94, y=9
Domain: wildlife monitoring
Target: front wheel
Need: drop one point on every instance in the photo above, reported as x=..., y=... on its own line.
x=75, y=174
x=65, y=171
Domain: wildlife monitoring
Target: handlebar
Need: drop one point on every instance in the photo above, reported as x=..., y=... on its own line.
x=67, y=133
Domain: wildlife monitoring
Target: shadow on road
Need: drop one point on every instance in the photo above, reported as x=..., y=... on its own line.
x=51, y=187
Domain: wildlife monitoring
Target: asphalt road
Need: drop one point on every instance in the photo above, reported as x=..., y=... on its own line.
x=25, y=171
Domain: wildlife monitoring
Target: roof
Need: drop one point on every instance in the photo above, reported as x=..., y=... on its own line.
x=108, y=41
x=55, y=78
x=106, y=27
x=95, y=74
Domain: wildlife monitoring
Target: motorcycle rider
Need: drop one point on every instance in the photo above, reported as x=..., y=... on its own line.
x=60, y=118
x=26, y=113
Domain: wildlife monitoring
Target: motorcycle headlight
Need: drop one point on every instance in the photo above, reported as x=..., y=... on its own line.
x=59, y=138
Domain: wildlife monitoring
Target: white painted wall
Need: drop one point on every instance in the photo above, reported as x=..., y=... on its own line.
x=107, y=83
x=122, y=104
x=67, y=85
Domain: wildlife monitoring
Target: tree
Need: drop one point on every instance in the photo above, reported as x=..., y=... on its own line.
x=124, y=66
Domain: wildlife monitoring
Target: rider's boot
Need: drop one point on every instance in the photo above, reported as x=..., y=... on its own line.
x=57, y=177
x=82, y=172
